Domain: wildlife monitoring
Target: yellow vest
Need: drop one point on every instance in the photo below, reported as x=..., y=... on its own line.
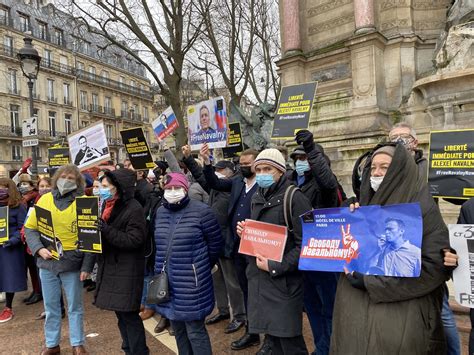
x=64, y=222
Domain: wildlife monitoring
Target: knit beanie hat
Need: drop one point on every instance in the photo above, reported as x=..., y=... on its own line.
x=271, y=157
x=387, y=149
x=176, y=180
x=25, y=178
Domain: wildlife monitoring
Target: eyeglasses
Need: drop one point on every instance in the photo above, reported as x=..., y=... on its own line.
x=406, y=137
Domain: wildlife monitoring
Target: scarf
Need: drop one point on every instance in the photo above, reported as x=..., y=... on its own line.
x=109, y=206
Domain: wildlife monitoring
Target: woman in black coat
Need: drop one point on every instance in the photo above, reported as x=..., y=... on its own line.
x=122, y=262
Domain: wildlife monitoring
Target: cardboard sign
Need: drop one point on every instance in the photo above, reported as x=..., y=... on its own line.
x=294, y=109
x=234, y=141
x=3, y=224
x=46, y=231
x=207, y=123
x=373, y=240
x=451, y=168
x=461, y=238
x=165, y=124
x=88, y=146
x=265, y=239
x=137, y=148
x=57, y=157
x=88, y=234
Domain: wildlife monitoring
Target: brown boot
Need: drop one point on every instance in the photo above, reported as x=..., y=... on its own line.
x=147, y=313
x=76, y=350
x=51, y=351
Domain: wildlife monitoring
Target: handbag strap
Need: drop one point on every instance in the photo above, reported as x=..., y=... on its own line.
x=170, y=243
x=287, y=206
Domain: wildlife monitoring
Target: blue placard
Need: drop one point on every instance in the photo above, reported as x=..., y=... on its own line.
x=373, y=240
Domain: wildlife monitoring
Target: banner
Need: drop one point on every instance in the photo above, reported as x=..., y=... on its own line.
x=294, y=109
x=165, y=124
x=57, y=157
x=137, y=148
x=207, y=123
x=373, y=240
x=88, y=234
x=461, y=239
x=3, y=224
x=234, y=141
x=265, y=239
x=451, y=168
x=88, y=146
x=46, y=230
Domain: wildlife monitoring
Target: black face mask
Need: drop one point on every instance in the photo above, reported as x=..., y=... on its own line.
x=246, y=171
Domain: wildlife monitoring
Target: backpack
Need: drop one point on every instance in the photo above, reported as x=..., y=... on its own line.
x=287, y=206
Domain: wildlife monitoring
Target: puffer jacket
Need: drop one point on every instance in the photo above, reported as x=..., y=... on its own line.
x=191, y=232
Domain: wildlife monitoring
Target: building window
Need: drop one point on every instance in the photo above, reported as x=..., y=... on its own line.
x=67, y=93
x=86, y=47
x=105, y=76
x=121, y=81
x=147, y=135
x=118, y=59
x=43, y=30
x=108, y=105
x=63, y=63
x=124, y=109
x=12, y=83
x=92, y=72
x=95, y=102
x=24, y=23
x=145, y=114
x=52, y=123
x=8, y=45
x=67, y=123
x=83, y=99
x=109, y=131
x=35, y=112
x=16, y=152
x=35, y=92
x=58, y=37
x=80, y=66
x=48, y=57
x=14, y=118
x=4, y=15
x=136, y=112
x=50, y=90
x=132, y=83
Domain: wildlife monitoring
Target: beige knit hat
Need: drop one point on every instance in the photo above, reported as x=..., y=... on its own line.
x=271, y=157
x=387, y=149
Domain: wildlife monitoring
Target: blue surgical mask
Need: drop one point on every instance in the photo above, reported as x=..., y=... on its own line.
x=105, y=194
x=265, y=180
x=301, y=166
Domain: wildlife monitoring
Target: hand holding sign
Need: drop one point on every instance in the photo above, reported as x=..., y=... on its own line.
x=186, y=149
x=262, y=263
x=205, y=154
x=240, y=228
x=450, y=259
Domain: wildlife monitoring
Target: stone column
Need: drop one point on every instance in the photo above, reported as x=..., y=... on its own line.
x=364, y=16
x=291, y=26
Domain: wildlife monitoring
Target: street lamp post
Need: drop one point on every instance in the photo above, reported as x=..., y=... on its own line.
x=30, y=61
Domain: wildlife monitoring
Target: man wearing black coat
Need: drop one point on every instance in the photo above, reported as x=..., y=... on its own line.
x=143, y=188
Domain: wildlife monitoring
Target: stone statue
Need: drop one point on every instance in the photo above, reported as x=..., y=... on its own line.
x=256, y=129
x=453, y=49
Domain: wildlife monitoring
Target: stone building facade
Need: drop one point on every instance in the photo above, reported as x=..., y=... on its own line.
x=375, y=64
x=81, y=80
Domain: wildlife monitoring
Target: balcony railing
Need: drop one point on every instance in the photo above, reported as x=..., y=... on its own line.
x=53, y=99
x=117, y=85
x=67, y=101
x=14, y=91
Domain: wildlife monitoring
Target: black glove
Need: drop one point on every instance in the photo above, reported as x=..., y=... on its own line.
x=8, y=244
x=102, y=225
x=305, y=138
x=357, y=280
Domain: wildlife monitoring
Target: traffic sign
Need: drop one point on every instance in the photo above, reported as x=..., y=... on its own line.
x=30, y=142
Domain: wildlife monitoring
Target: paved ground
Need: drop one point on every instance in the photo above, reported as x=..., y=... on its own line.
x=24, y=335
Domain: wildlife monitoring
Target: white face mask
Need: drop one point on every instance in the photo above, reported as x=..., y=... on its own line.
x=375, y=182
x=220, y=176
x=174, y=196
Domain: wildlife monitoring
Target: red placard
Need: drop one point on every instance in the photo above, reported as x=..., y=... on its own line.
x=265, y=239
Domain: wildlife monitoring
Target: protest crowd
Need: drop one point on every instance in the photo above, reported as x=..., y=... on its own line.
x=170, y=246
